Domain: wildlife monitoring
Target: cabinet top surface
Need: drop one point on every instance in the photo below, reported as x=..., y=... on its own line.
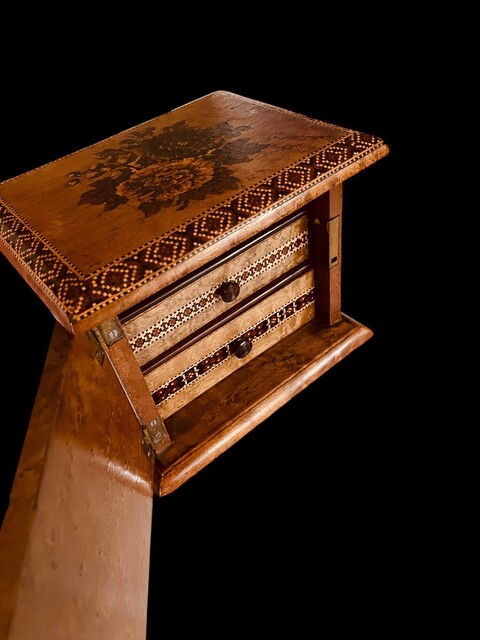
x=93, y=230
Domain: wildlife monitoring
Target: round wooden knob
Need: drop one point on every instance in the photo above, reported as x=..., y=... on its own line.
x=242, y=347
x=228, y=291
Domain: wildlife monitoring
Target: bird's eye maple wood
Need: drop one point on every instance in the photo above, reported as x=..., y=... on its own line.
x=193, y=266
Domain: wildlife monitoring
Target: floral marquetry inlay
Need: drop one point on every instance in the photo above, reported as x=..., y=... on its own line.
x=171, y=168
x=105, y=226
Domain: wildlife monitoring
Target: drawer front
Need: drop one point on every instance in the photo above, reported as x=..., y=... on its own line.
x=223, y=351
x=172, y=319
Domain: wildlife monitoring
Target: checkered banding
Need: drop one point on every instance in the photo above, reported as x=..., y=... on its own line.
x=80, y=295
x=253, y=333
x=171, y=322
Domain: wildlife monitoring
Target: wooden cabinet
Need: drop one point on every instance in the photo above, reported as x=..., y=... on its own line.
x=201, y=252
x=193, y=266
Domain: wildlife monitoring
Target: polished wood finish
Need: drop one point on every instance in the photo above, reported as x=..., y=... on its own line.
x=325, y=234
x=163, y=356
x=180, y=313
x=151, y=235
x=130, y=377
x=100, y=230
x=75, y=542
x=216, y=341
x=225, y=318
x=215, y=420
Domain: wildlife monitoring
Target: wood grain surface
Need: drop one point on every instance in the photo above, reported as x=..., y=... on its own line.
x=102, y=229
x=75, y=542
x=325, y=237
x=216, y=346
x=180, y=314
x=218, y=418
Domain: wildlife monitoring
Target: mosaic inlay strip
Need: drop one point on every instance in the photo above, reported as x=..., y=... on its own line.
x=171, y=322
x=81, y=295
x=204, y=366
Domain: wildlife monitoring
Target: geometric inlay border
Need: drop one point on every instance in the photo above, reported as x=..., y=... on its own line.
x=167, y=324
x=81, y=295
x=226, y=351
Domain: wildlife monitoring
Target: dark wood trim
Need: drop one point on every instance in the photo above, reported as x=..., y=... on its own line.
x=78, y=525
x=150, y=302
x=218, y=418
x=324, y=230
x=229, y=315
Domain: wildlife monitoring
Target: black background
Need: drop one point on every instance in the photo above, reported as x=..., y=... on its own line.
x=311, y=516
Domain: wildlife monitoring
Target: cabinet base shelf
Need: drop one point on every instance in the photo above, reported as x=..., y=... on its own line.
x=218, y=418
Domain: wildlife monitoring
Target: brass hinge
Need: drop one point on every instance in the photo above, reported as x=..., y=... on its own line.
x=153, y=435
x=104, y=336
x=98, y=347
x=327, y=241
x=108, y=333
x=108, y=339
x=333, y=230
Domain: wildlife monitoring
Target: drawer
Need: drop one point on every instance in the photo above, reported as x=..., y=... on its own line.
x=184, y=308
x=178, y=379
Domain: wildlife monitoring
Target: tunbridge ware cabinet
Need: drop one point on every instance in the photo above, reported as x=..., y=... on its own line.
x=193, y=266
